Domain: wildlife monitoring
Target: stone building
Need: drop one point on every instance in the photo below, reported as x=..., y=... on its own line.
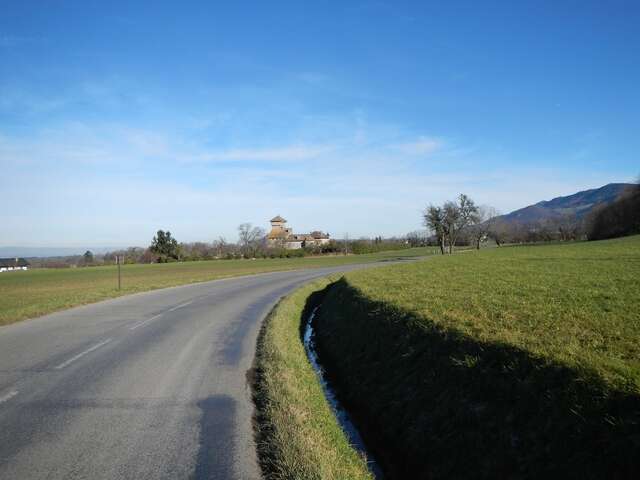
x=282, y=236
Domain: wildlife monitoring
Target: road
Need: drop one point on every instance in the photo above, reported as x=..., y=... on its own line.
x=152, y=385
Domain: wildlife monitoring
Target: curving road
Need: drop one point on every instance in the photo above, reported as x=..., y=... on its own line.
x=151, y=385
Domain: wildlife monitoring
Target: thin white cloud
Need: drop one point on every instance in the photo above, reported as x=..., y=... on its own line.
x=285, y=154
x=118, y=208
x=421, y=146
x=75, y=181
x=110, y=93
x=77, y=144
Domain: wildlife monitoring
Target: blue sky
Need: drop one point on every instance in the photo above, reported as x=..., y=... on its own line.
x=117, y=119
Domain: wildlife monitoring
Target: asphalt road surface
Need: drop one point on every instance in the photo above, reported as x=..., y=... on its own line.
x=152, y=385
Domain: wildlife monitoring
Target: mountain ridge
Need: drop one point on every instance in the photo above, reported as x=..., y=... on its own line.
x=577, y=205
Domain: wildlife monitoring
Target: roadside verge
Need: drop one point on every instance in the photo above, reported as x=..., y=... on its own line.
x=297, y=433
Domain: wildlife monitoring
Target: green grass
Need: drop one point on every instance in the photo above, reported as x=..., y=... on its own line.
x=298, y=436
x=40, y=291
x=510, y=362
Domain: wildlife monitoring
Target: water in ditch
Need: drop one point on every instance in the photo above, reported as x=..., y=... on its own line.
x=341, y=414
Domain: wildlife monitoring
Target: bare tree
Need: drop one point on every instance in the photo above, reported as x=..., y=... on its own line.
x=567, y=227
x=417, y=238
x=250, y=238
x=502, y=231
x=220, y=246
x=483, y=223
x=457, y=217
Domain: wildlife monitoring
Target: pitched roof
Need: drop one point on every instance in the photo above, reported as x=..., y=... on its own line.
x=277, y=218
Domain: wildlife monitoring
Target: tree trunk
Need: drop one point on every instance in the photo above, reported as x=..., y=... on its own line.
x=442, y=244
x=478, y=243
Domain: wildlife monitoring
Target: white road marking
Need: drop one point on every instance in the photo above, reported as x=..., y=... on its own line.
x=8, y=396
x=144, y=322
x=180, y=306
x=82, y=354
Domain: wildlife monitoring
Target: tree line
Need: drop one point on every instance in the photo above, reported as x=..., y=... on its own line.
x=454, y=223
x=617, y=219
x=251, y=243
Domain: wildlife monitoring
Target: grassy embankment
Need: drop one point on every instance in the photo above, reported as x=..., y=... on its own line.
x=298, y=436
x=518, y=362
x=40, y=291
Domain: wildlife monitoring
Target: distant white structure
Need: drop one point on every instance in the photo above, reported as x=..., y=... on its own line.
x=12, y=264
x=283, y=236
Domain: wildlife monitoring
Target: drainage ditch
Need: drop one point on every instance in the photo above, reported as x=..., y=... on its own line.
x=341, y=413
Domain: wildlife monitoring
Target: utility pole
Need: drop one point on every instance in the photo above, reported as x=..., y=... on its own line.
x=118, y=261
x=346, y=243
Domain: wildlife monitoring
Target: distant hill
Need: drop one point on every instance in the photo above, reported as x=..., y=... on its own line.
x=577, y=205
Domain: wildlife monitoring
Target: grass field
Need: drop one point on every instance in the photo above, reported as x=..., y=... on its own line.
x=298, y=434
x=40, y=291
x=511, y=362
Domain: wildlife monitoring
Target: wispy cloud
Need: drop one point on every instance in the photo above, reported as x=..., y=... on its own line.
x=421, y=146
x=286, y=153
x=107, y=94
x=76, y=180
